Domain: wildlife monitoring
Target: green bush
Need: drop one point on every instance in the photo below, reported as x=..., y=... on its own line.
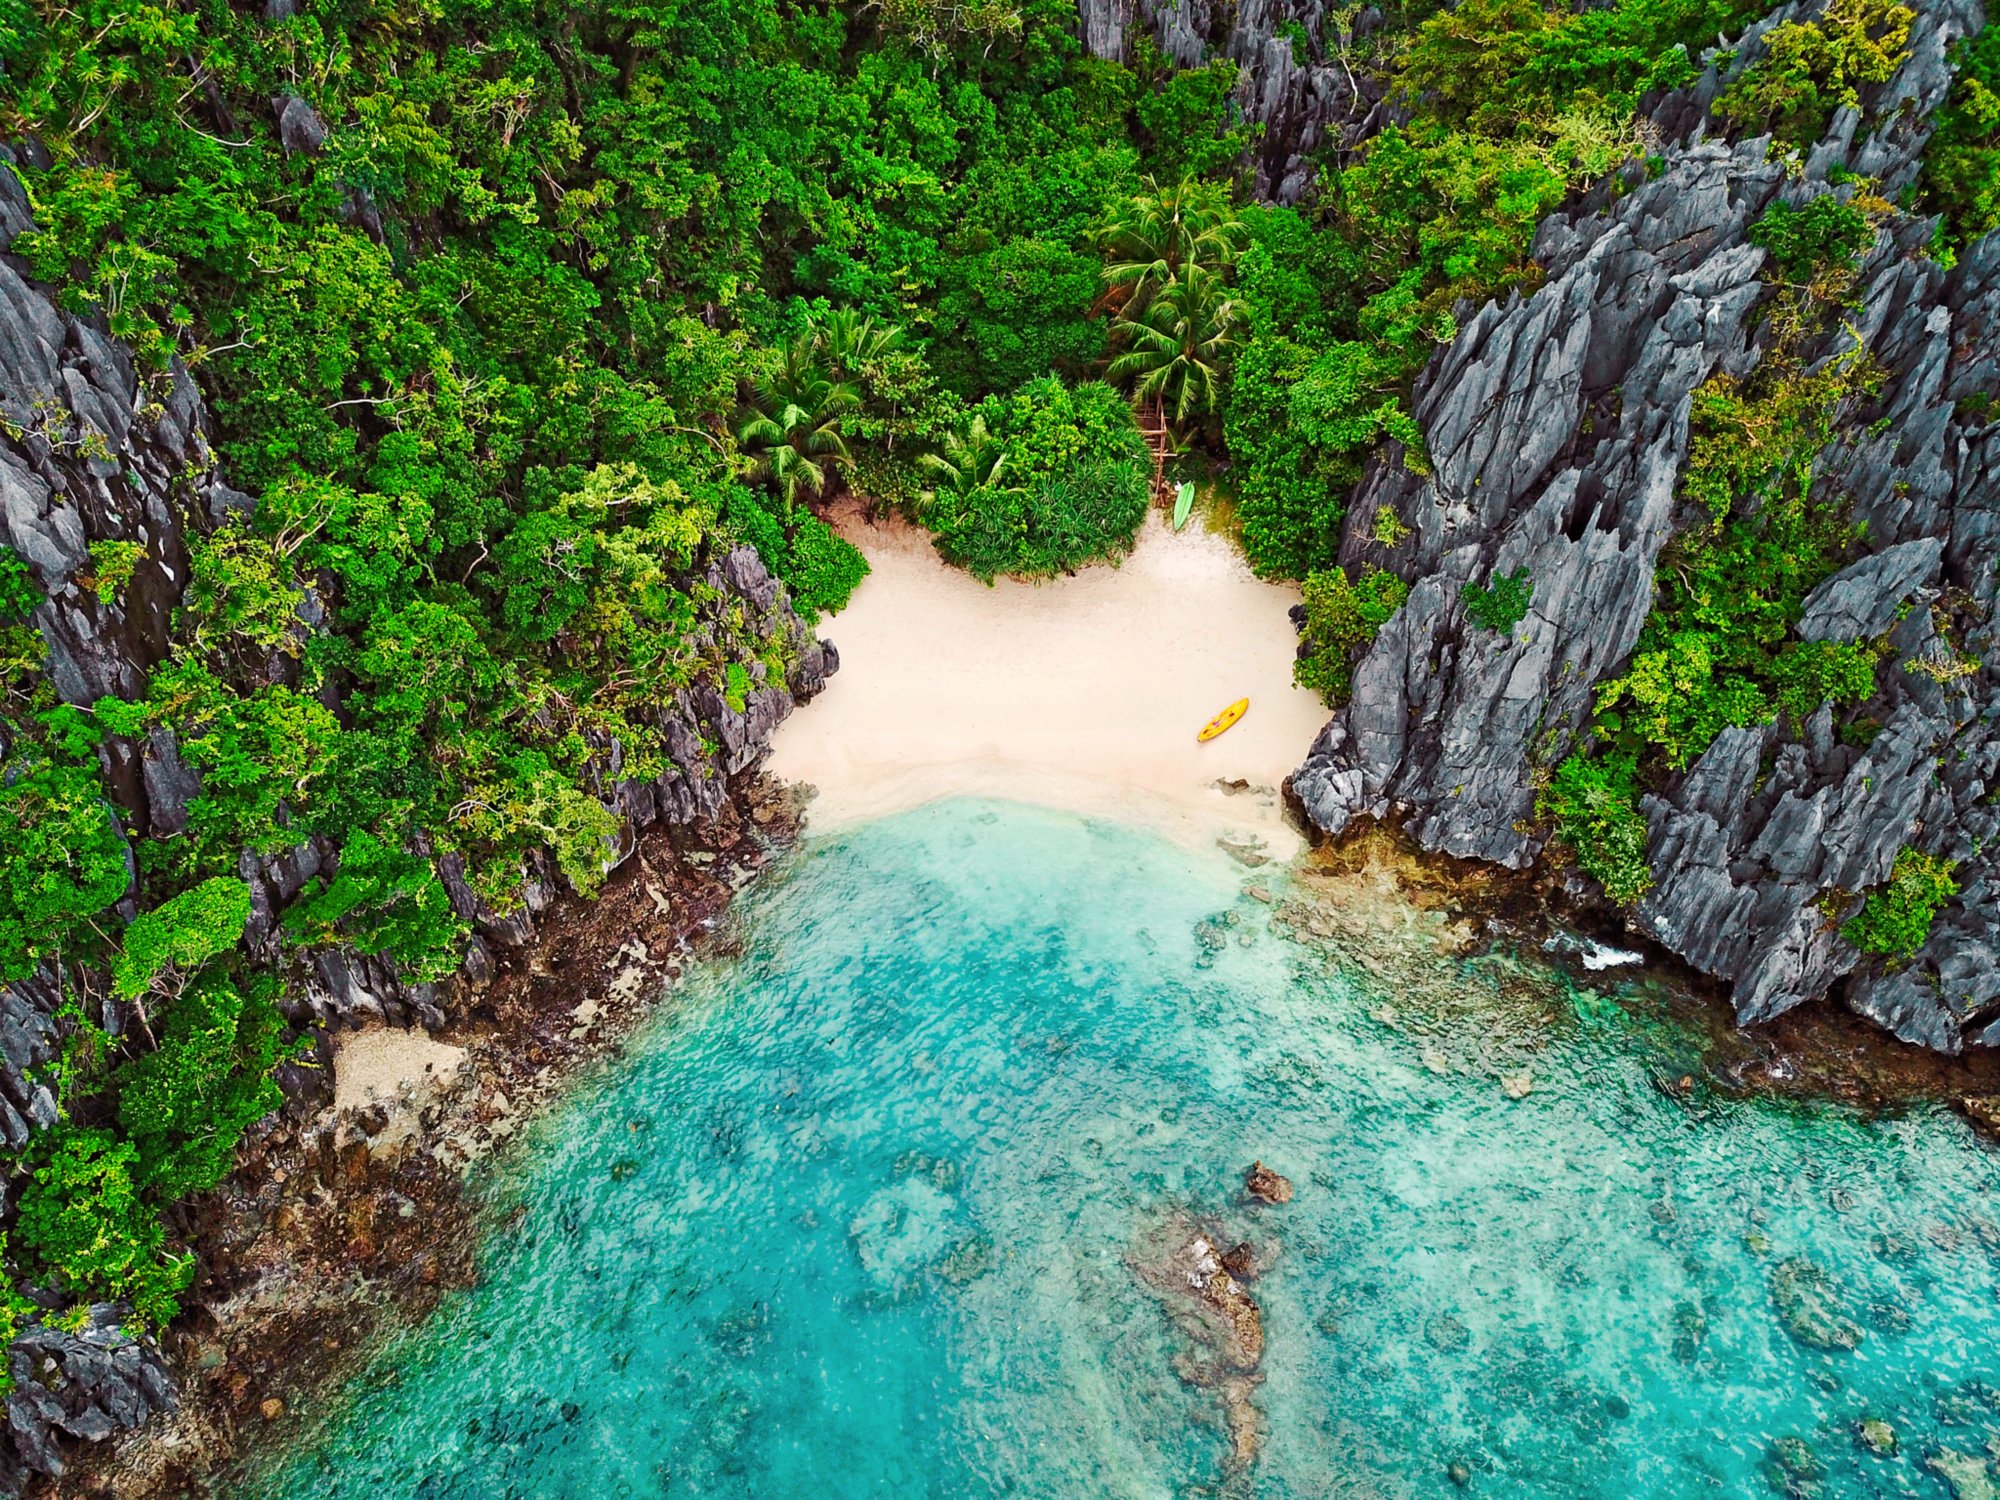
x=181, y=934
x=18, y=594
x=1021, y=309
x=1342, y=619
x=1824, y=237
x=1595, y=806
x=1300, y=425
x=83, y=1221
x=1807, y=674
x=1500, y=605
x=62, y=861
x=1041, y=482
x=822, y=568
x=1896, y=918
x=186, y=1105
x=1961, y=174
x=383, y=900
x=1810, y=68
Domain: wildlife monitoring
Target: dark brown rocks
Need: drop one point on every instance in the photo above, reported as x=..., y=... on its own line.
x=1266, y=1186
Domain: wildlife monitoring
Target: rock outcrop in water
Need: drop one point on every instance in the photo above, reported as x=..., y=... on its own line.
x=1202, y=1288
x=1557, y=426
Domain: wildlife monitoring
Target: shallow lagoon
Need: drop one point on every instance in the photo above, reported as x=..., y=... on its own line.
x=855, y=1218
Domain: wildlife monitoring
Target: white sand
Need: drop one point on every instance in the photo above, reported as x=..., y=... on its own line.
x=377, y=1065
x=1084, y=692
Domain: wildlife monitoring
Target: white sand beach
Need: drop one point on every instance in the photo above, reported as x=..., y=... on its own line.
x=1083, y=692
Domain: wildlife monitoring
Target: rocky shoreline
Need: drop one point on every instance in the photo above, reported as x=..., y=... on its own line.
x=1820, y=1051
x=340, y=1225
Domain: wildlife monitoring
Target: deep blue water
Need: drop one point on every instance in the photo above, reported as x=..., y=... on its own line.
x=854, y=1218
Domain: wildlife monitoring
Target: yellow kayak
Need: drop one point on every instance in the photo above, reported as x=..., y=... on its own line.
x=1224, y=719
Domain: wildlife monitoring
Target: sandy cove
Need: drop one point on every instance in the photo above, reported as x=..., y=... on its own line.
x=1083, y=692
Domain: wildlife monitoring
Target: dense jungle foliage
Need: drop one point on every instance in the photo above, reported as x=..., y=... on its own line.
x=510, y=313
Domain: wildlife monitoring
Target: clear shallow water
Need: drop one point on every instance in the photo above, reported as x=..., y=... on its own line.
x=854, y=1220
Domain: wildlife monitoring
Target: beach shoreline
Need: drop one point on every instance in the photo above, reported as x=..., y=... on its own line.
x=1083, y=692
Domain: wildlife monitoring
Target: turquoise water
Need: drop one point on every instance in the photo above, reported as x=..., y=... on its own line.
x=856, y=1218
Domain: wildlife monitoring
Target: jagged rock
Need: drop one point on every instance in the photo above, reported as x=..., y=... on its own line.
x=1262, y=1183
x=1303, y=103
x=1181, y=1266
x=1861, y=600
x=87, y=454
x=84, y=1385
x=300, y=129
x=1556, y=424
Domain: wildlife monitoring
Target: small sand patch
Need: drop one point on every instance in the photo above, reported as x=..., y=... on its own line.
x=1083, y=692
x=376, y=1066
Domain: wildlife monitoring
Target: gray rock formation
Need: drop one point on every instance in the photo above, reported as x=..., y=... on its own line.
x=1304, y=96
x=1557, y=425
x=90, y=454
x=81, y=1386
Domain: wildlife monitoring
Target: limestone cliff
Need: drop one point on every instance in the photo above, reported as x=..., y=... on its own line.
x=1557, y=427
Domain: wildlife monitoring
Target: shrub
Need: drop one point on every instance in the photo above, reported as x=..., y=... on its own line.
x=1810, y=68
x=1300, y=424
x=1961, y=175
x=822, y=568
x=1343, y=618
x=113, y=562
x=62, y=860
x=18, y=593
x=1595, y=805
x=181, y=934
x=385, y=901
x=187, y=1105
x=1896, y=918
x=1040, y=482
x=1500, y=605
x=1809, y=673
x=1808, y=244
x=83, y=1221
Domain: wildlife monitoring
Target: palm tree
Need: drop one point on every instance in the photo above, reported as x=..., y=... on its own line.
x=790, y=426
x=1150, y=236
x=970, y=462
x=851, y=341
x=1178, y=349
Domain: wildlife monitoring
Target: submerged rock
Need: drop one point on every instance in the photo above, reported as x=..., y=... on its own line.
x=1877, y=1436
x=1969, y=1475
x=1810, y=1306
x=1793, y=1461
x=1446, y=1333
